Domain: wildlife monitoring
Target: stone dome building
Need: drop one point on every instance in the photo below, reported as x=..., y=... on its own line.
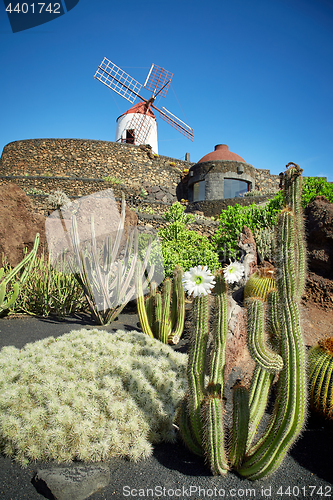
x=220, y=175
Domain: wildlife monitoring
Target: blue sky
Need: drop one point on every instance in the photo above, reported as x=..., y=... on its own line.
x=256, y=75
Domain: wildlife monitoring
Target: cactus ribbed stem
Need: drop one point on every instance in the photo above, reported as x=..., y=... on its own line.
x=165, y=310
x=213, y=434
x=241, y=417
x=217, y=361
x=274, y=320
x=178, y=306
x=196, y=363
x=266, y=358
x=185, y=428
x=143, y=313
x=258, y=397
x=289, y=411
x=213, y=406
x=293, y=191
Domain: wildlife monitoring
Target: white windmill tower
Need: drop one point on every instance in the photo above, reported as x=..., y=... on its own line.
x=138, y=124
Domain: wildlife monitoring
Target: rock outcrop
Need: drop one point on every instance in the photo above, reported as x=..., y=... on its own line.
x=18, y=224
x=319, y=232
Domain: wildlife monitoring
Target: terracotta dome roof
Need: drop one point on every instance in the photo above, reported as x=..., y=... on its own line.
x=221, y=152
x=139, y=107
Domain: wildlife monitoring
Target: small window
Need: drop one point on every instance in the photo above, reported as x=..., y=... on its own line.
x=234, y=188
x=199, y=191
x=130, y=136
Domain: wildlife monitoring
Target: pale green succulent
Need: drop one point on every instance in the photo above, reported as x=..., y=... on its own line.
x=88, y=395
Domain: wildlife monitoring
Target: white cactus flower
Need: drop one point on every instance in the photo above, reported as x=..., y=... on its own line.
x=234, y=272
x=198, y=281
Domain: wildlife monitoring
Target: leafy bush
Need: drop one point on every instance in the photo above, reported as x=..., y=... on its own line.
x=256, y=217
x=88, y=395
x=182, y=246
x=316, y=186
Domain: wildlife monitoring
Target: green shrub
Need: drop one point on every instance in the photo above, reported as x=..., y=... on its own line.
x=256, y=217
x=182, y=246
x=316, y=186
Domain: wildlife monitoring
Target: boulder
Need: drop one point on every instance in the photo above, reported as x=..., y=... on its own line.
x=18, y=224
x=319, y=232
x=71, y=483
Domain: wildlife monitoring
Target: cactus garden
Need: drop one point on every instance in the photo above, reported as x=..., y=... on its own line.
x=96, y=394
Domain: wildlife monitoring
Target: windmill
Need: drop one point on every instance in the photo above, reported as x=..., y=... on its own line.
x=138, y=124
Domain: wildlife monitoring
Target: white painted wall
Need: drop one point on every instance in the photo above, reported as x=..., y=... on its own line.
x=123, y=123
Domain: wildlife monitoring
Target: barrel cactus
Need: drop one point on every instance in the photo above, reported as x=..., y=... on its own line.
x=321, y=377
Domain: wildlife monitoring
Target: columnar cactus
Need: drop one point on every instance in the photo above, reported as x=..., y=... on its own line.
x=321, y=377
x=162, y=315
x=201, y=414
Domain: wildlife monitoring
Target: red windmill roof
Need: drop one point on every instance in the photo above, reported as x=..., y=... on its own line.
x=221, y=152
x=139, y=107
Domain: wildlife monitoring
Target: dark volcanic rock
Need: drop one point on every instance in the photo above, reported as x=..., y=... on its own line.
x=319, y=232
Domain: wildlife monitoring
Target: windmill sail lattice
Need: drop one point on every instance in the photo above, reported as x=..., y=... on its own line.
x=157, y=82
x=141, y=127
x=176, y=123
x=118, y=80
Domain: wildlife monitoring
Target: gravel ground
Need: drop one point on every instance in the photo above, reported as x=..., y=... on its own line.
x=172, y=471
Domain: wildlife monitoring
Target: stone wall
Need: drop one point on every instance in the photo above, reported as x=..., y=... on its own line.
x=265, y=181
x=79, y=159
x=214, y=208
x=79, y=166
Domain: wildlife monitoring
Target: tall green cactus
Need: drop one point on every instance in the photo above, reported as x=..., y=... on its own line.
x=25, y=264
x=162, y=315
x=201, y=415
x=321, y=377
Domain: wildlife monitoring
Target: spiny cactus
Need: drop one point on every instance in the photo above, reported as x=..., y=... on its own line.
x=264, y=238
x=201, y=414
x=290, y=407
x=162, y=315
x=321, y=377
x=57, y=199
x=261, y=283
x=25, y=264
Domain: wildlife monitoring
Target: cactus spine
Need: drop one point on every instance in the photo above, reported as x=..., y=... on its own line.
x=201, y=415
x=321, y=377
x=162, y=315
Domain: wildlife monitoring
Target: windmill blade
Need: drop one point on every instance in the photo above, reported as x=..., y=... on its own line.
x=175, y=122
x=158, y=80
x=118, y=80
